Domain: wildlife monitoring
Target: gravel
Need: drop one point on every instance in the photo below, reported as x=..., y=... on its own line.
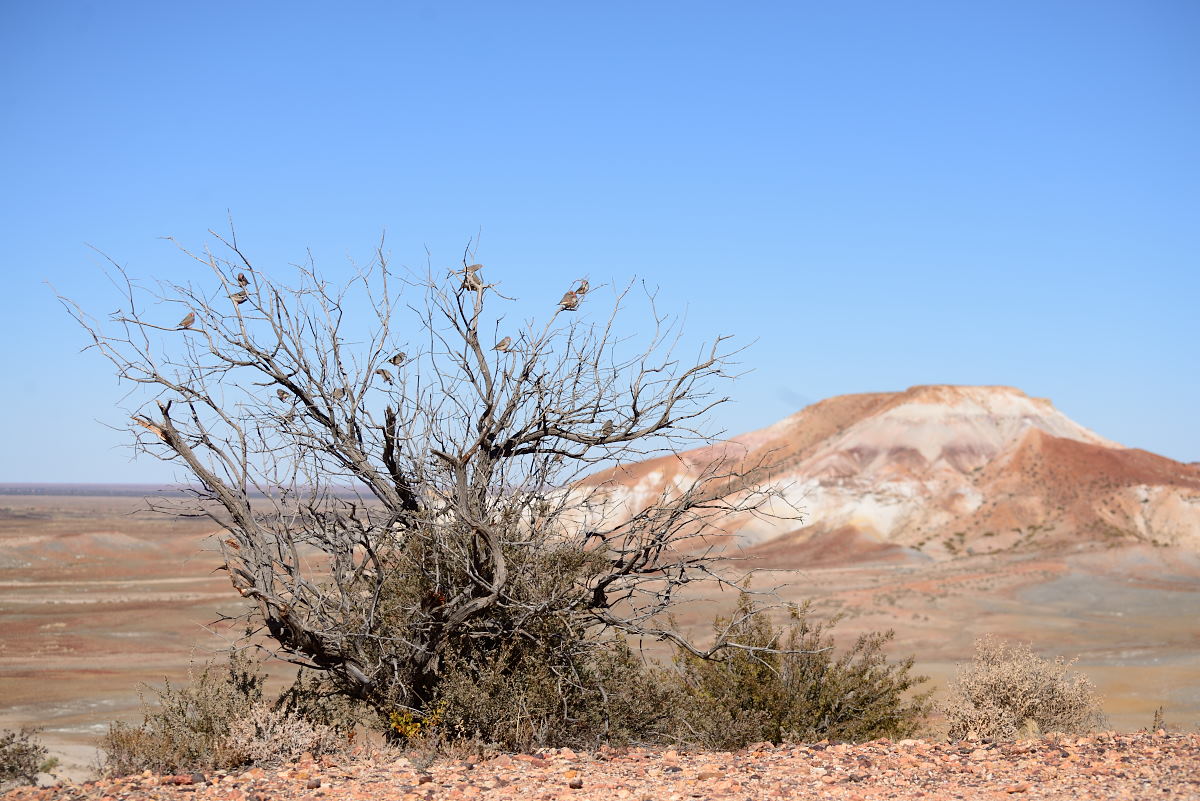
x=1102, y=766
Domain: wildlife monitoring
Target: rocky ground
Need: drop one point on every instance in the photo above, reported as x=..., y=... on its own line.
x=1104, y=766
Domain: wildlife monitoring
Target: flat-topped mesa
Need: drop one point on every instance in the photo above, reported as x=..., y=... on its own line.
x=943, y=471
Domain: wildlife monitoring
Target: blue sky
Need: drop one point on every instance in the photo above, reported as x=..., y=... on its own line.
x=877, y=194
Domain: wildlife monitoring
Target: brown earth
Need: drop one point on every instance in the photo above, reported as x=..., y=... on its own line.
x=96, y=598
x=1104, y=766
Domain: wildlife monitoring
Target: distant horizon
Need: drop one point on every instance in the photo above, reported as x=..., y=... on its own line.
x=128, y=487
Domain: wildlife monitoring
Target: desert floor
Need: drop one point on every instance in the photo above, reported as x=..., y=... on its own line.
x=97, y=598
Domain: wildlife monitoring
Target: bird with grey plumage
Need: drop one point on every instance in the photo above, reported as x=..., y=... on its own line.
x=187, y=321
x=582, y=289
x=384, y=374
x=283, y=395
x=399, y=359
x=504, y=345
x=240, y=297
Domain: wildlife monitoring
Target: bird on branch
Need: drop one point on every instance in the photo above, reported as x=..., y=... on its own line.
x=569, y=302
x=187, y=321
x=607, y=428
x=240, y=297
x=583, y=287
x=338, y=393
x=283, y=395
x=384, y=374
x=242, y=280
x=504, y=345
x=399, y=358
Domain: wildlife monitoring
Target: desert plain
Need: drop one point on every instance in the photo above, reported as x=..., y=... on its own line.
x=99, y=598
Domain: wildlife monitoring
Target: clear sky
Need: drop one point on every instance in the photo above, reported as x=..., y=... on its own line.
x=877, y=194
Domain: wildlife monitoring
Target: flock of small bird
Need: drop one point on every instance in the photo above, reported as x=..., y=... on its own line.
x=569, y=302
x=471, y=280
x=239, y=297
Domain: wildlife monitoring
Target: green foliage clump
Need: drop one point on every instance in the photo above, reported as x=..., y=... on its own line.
x=789, y=684
x=22, y=757
x=538, y=695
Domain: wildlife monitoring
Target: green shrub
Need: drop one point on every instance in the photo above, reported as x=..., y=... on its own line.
x=219, y=720
x=805, y=693
x=1008, y=690
x=525, y=696
x=22, y=757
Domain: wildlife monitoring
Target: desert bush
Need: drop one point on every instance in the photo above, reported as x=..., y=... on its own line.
x=265, y=734
x=399, y=470
x=790, y=684
x=22, y=757
x=1007, y=690
x=220, y=719
x=528, y=695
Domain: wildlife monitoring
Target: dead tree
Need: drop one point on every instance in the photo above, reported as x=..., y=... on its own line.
x=399, y=481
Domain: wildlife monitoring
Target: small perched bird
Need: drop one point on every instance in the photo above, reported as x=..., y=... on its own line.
x=583, y=287
x=384, y=374
x=240, y=297
x=338, y=393
x=504, y=345
x=399, y=358
x=472, y=282
x=607, y=428
x=243, y=280
x=156, y=430
x=283, y=395
x=187, y=321
x=569, y=301
x=473, y=268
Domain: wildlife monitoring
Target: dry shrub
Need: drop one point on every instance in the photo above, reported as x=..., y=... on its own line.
x=219, y=720
x=1008, y=690
x=22, y=757
x=267, y=735
x=805, y=693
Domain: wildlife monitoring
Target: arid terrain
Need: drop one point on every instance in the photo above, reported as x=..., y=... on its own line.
x=96, y=599
x=1106, y=765
x=989, y=512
